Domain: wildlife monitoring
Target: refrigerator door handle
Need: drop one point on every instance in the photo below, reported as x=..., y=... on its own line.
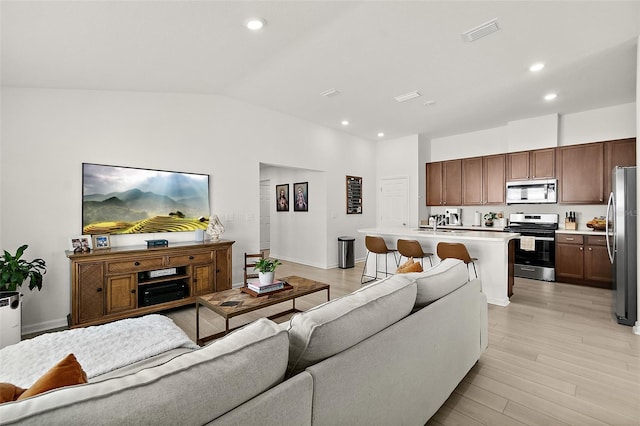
x=610, y=248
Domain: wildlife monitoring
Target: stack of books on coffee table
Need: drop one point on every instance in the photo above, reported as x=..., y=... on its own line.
x=265, y=288
x=254, y=288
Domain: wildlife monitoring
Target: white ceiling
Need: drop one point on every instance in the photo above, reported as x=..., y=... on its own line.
x=369, y=51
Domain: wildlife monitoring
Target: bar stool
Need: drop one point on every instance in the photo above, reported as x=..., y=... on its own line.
x=412, y=248
x=456, y=251
x=378, y=246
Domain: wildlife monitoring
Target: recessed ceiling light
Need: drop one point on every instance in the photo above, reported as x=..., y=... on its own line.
x=550, y=96
x=256, y=23
x=536, y=67
x=345, y=122
x=381, y=135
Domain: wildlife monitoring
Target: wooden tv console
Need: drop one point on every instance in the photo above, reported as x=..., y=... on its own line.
x=107, y=285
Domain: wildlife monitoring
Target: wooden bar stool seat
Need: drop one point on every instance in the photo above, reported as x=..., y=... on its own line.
x=377, y=246
x=412, y=248
x=456, y=251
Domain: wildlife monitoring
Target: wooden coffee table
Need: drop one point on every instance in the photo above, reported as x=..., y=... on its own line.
x=234, y=302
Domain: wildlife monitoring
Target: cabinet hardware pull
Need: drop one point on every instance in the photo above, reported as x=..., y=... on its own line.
x=581, y=248
x=569, y=239
x=99, y=289
x=133, y=291
x=590, y=249
x=190, y=257
x=136, y=263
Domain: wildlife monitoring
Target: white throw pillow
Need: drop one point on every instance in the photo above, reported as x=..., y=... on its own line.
x=439, y=281
x=337, y=325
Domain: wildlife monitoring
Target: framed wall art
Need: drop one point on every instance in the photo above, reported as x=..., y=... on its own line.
x=354, y=195
x=301, y=196
x=282, y=197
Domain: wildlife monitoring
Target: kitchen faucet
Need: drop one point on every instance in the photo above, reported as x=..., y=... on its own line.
x=438, y=221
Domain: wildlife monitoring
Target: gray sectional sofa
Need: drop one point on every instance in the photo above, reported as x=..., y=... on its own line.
x=389, y=353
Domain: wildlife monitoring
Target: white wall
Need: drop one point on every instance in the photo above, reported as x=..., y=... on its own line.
x=400, y=158
x=47, y=134
x=615, y=122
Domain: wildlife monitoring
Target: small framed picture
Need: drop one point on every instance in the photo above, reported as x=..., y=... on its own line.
x=101, y=242
x=282, y=197
x=80, y=244
x=301, y=197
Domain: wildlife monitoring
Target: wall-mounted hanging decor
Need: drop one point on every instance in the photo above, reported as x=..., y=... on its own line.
x=282, y=197
x=301, y=196
x=354, y=195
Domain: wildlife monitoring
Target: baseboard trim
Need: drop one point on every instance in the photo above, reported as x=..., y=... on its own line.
x=43, y=326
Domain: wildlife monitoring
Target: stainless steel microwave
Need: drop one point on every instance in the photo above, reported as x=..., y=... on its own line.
x=532, y=191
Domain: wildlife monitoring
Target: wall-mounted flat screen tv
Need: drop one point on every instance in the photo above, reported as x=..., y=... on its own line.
x=127, y=200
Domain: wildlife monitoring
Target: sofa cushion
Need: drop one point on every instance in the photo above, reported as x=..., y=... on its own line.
x=439, y=281
x=337, y=325
x=67, y=372
x=199, y=386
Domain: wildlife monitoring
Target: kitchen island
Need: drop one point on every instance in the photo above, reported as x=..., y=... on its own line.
x=494, y=250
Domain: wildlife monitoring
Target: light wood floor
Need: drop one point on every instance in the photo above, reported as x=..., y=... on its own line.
x=555, y=356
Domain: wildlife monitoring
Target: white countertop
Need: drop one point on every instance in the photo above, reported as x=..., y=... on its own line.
x=585, y=231
x=453, y=234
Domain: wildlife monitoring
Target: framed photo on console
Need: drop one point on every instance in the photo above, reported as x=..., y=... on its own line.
x=80, y=244
x=101, y=242
x=301, y=196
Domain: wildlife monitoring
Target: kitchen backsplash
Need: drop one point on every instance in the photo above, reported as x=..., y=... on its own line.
x=584, y=213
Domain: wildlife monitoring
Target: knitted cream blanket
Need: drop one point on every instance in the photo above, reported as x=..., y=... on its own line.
x=99, y=349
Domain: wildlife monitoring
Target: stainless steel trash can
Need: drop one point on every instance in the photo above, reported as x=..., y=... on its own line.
x=346, y=257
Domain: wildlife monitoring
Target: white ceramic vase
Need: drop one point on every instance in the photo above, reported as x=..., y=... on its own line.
x=266, y=277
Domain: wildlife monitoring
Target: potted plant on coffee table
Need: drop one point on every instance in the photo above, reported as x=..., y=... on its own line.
x=14, y=271
x=266, y=270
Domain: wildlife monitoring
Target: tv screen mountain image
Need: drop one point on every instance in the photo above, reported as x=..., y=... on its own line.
x=128, y=200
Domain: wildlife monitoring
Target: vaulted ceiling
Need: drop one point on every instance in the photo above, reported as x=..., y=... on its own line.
x=369, y=51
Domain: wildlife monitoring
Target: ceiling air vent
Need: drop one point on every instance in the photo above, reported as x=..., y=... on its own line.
x=481, y=30
x=407, y=96
x=329, y=93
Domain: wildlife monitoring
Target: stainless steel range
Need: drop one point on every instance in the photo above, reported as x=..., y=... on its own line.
x=535, y=255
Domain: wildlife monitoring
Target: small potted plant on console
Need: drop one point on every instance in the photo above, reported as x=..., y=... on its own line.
x=266, y=270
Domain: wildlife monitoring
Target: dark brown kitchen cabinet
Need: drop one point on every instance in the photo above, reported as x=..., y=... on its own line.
x=583, y=259
x=580, y=170
x=620, y=152
x=444, y=183
x=483, y=180
x=527, y=165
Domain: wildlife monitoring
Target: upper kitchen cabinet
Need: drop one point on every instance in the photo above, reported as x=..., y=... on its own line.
x=580, y=170
x=527, y=165
x=620, y=152
x=483, y=180
x=444, y=183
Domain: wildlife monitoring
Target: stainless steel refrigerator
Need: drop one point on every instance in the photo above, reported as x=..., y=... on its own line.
x=622, y=243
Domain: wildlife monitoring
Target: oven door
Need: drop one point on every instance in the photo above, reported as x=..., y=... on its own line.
x=544, y=253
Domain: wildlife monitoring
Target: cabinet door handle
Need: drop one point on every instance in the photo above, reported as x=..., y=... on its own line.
x=590, y=249
x=133, y=291
x=217, y=271
x=99, y=289
x=190, y=257
x=581, y=249
x=569, y=239
x=136, y=263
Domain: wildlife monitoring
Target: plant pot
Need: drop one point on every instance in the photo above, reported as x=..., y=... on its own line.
x=10, y=318
x=266, y=277
x=488, y=222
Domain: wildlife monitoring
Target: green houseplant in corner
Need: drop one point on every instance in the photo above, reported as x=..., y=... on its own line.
x=14, y=271
x=266, y=269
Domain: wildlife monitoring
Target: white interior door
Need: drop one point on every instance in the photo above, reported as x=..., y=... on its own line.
x=265, y=215
x=394, y=202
